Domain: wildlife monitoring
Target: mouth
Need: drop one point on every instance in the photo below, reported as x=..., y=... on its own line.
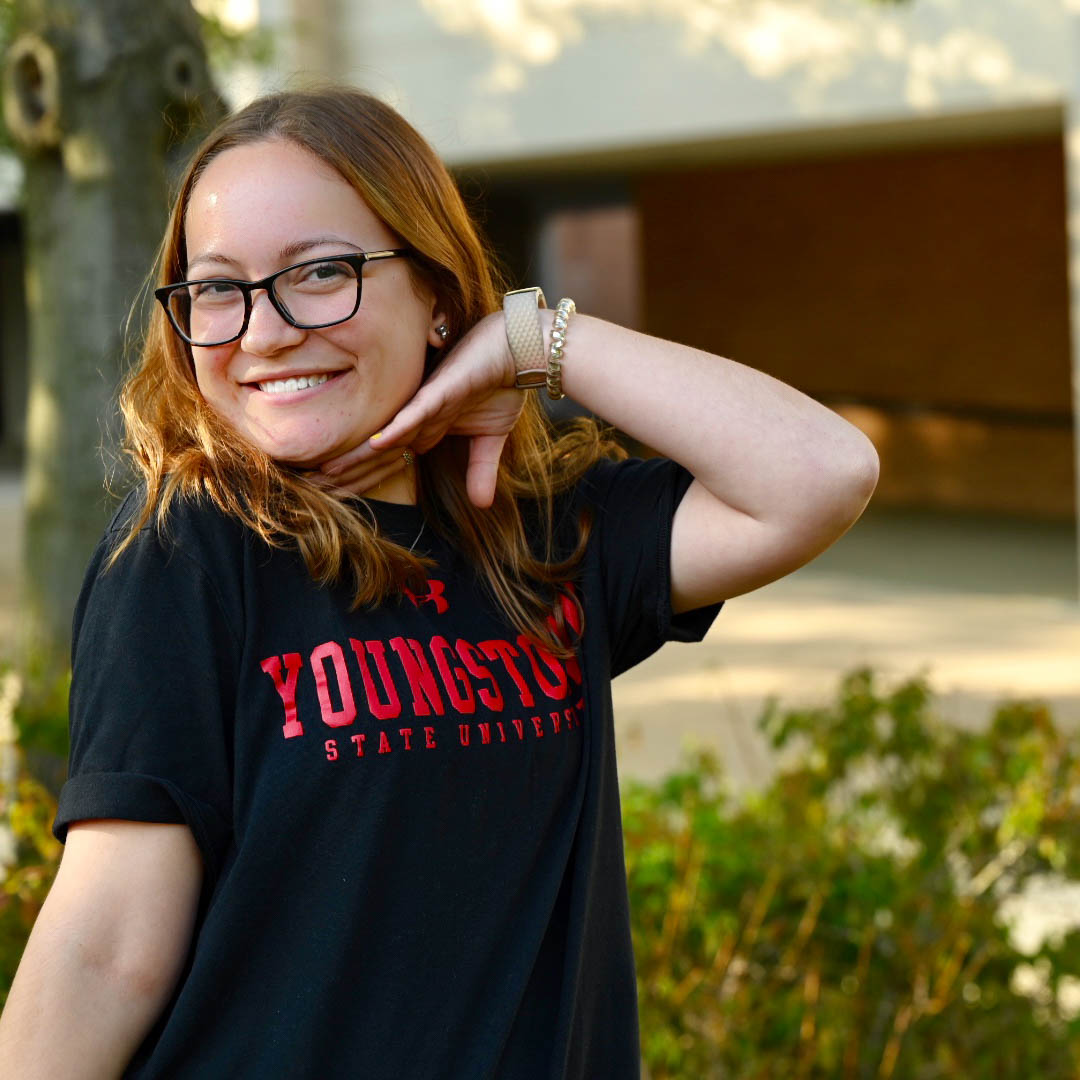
x=294, y=383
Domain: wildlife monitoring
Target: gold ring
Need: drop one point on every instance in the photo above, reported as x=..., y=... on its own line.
x=409, y=456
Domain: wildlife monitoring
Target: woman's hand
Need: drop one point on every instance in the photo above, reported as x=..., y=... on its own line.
x=471, y=392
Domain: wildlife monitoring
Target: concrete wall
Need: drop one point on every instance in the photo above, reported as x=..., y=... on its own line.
x=928, y=285
x=495, y=81
x=867, y=200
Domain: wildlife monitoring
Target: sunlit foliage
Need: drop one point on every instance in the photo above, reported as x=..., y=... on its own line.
x=848, y=920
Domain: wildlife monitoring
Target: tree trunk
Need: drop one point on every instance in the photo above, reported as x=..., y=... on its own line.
x=101, y=97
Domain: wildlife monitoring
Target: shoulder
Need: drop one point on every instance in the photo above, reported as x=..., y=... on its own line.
x=195, y=547
x=605, y=489
x=613, y=486
x=187, y=568
x=194, y=528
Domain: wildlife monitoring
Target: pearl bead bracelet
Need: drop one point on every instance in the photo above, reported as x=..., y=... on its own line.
x=563, y=310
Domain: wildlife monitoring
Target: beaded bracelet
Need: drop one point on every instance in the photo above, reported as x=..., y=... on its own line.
x=563, y=310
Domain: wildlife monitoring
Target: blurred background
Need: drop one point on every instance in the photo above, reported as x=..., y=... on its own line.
x=876, y=202
x=870, y=201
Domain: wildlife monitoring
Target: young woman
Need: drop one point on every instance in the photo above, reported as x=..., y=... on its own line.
x=343, y=797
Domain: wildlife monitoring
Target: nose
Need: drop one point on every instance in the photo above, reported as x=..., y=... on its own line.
x=267, y=332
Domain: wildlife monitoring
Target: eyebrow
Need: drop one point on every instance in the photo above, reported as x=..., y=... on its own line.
x=289, y=251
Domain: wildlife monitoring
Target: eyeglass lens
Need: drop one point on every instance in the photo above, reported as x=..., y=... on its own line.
x=315, y=294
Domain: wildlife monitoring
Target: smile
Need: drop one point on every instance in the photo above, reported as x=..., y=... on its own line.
x=290, y=386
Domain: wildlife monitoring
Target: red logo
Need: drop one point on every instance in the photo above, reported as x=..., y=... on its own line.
x=435, y=595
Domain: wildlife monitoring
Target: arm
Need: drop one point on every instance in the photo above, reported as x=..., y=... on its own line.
x=778, y=477
x=105, y=952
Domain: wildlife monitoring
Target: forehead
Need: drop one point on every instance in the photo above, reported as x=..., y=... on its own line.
x=257, y=198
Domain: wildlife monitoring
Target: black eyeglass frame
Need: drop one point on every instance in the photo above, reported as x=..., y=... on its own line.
x=353, y=259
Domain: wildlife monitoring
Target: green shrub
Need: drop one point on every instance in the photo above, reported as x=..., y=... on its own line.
x=845, y=922
x=28, y=880
x=41, y=713
x=30, y=851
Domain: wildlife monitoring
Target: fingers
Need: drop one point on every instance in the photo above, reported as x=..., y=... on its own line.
x=347, y=461
x=483, y=472
x=420, y=414
x=362, y=476
x=452, y=392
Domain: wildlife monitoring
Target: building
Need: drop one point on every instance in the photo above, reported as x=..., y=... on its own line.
x=868, y=200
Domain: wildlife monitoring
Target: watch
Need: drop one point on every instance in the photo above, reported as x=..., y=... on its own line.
x=525, y=335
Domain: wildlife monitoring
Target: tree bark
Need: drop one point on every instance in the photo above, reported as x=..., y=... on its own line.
x=102, y=97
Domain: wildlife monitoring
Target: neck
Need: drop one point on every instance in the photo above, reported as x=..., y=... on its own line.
x=399, y=488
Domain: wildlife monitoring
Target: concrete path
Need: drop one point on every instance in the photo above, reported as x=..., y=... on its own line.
x=988, y=606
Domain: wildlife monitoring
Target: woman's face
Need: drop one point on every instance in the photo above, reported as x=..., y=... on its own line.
x=264, y=206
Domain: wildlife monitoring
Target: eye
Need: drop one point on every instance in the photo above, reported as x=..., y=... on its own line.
x=326, y=271
x=213, y=292
x=320, y=276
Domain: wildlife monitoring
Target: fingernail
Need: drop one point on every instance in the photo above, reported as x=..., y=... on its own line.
x=377, y=435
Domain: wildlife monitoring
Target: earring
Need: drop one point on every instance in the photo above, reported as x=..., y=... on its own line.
x=443, y=332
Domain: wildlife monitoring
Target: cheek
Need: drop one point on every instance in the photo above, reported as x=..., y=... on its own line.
x=209, y=367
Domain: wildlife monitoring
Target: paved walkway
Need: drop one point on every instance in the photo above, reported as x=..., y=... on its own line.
x=988, y=606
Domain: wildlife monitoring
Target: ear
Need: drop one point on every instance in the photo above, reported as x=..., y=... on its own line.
x=438, y=318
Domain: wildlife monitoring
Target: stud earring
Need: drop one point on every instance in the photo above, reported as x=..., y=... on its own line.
x=443, y=332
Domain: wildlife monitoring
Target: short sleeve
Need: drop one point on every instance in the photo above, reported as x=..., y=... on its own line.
x=154, y=671
x=635, y=504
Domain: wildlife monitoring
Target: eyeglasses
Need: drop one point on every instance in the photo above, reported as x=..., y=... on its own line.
x=309, y=295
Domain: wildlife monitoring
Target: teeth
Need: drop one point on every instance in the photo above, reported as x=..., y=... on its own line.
x=288, y=386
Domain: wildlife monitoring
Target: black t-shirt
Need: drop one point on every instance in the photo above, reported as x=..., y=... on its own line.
x=409, y=817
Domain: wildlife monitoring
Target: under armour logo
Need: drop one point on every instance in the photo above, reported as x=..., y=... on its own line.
x=435, y=595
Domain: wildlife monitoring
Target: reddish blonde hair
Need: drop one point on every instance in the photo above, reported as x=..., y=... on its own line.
x=183, y=448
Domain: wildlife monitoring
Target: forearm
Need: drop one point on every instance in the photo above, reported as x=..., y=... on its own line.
x=70, y=1015
x=754, y=442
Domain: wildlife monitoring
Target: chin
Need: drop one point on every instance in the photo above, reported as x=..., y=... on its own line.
x=301, y=459
x=305, y=453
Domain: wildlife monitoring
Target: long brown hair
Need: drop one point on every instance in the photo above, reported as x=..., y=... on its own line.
x=183, y=448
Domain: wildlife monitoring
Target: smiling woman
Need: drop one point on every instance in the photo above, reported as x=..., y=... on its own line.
x=300, y=397
x=342, y=795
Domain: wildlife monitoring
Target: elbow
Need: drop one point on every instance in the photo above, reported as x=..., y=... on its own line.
x=144, y=981
x=868, y=471
x=857, y=480
x=136, y=980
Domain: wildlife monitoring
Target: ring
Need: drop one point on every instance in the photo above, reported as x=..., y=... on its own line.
x=409, y=456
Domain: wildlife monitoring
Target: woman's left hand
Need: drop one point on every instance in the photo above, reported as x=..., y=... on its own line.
x=471, y=392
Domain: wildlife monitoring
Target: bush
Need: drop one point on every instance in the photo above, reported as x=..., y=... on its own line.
x=846, y=922
x=30, y=854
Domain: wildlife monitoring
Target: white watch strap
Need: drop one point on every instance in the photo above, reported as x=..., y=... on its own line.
x=521, y=309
